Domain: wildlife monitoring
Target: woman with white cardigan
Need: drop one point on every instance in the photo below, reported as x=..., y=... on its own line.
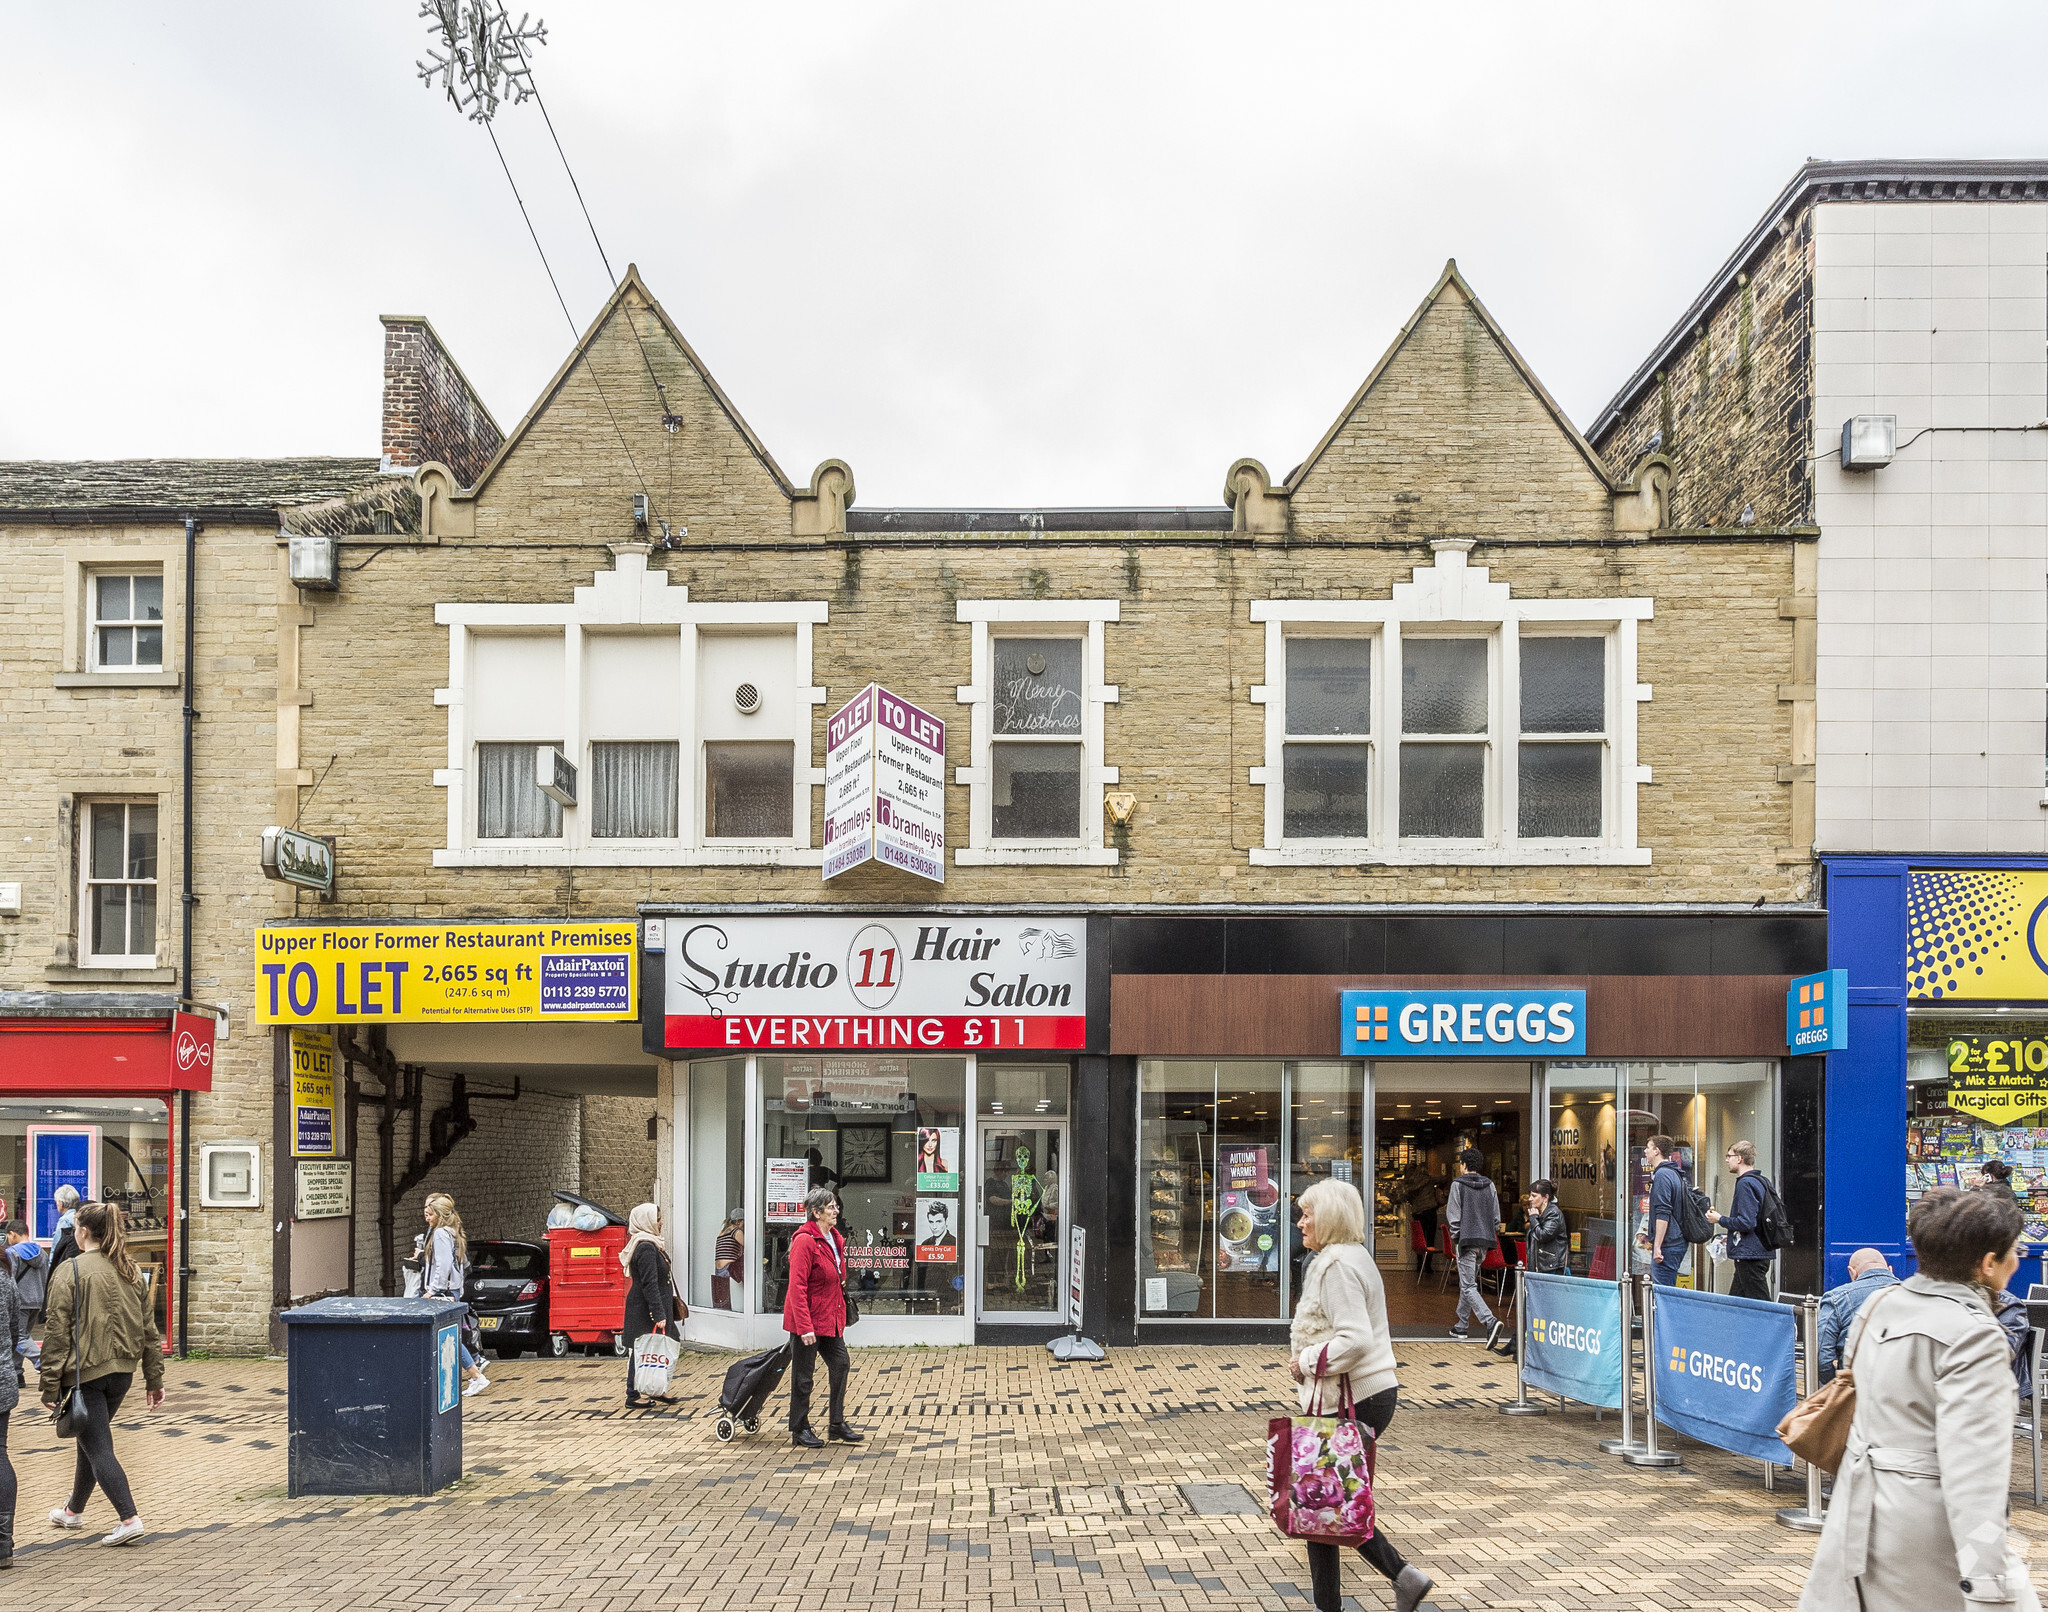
x=1340, y=1341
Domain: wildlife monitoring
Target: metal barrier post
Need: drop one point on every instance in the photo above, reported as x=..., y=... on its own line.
x=1649, y=1455
x=1628, y=1444
x=1809, y=1518
x=2034, y=1337
x=1523, y=1405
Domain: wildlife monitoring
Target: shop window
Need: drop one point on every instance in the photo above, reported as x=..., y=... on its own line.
x=1949, y=1146
x=1224, y=1150
x=1327, y=761
x=127, y=621
x=1444, y=738
x=853, y=1124
x=117, y=896
x=1564, y=698
x=115, y=1150
x=720, y=1277
x=510, y=804
x=1514, y=721
x=633, y=790
x=690, y=726
x=1036, y=776
x=747, y=788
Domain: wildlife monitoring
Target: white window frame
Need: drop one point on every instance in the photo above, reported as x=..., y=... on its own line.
x=82, y=562
x=88, y=958
x=1048, y=618
x=628, y=595
x=1369, y=741
x=1450, y=598
x=94, y=621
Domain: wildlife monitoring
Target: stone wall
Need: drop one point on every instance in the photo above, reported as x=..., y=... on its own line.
x=618, y=1152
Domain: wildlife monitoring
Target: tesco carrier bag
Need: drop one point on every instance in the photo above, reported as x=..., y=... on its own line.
x=654, y=1357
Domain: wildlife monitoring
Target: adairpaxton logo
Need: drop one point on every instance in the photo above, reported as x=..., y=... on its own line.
x=1562, y=1335
x=1717, y=1368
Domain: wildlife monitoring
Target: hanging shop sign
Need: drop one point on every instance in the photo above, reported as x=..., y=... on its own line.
x=1817, y=1012
x=921, y=984
x=1976, y=935
x=1997, y=1079
x=1464, y=1024
x=885, y=786
x=301, y=859
x=560, y=970
x=313, y=1106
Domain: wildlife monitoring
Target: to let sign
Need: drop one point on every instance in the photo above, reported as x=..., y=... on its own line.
x=885, y=786
x=313, y=1107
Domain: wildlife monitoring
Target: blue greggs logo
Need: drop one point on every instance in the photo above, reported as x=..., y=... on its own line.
x=1563, y=1335
x=1464, y=1024
x=1817, y=1012
x=1723, y=1369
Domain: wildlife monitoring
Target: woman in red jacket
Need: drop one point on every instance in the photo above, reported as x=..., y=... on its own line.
x=814, y=1314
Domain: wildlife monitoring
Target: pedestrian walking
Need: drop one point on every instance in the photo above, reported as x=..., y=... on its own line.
x=447, y=1277
x=1474, y=1211
x=28, y=1263
x=101, y=1328
x=814, y=1314
x=1339, y=1344
x=1744, y=1220
x=1918, y=1518
x=64, y=1244
x=1667, y=1244
x=650, y=1291
x=1868, y=1271
x=13, y=1334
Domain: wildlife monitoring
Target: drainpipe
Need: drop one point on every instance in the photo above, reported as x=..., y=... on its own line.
x=189, y=901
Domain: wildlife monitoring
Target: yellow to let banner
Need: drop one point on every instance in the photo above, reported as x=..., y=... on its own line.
x=313, y=1108
x=557, y=971
x=1976, y=935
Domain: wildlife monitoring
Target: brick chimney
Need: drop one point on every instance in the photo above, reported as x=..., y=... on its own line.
x=431, y=412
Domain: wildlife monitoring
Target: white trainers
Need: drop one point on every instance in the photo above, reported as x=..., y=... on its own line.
x=476, y=1386
x=60, y=1518
x=126, y=1534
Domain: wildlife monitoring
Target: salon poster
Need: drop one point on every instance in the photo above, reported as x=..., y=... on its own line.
x=938, y=1241
x=788, y=1182
x=938, y=1159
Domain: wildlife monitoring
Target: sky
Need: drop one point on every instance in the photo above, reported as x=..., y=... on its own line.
x=988, y=255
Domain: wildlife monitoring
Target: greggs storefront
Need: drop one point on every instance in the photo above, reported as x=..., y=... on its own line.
x=92, y=1089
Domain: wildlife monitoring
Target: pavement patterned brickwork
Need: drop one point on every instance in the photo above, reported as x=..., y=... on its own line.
x=991, y=1478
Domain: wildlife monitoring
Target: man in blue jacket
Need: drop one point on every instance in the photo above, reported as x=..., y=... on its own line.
x=1868, y=1272
x=1745, y=1214
x=1667, y=1242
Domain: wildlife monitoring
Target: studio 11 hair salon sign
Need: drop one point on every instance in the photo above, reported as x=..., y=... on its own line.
x=922, y=983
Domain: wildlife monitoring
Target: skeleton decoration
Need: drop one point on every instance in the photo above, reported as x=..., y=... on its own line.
x=481, y=55
x=1023, y=1207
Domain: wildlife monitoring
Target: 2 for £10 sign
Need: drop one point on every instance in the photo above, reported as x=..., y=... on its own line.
x=1464, y=1024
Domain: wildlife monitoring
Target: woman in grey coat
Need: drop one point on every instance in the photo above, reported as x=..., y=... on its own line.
x=1918, y=1520
x=13, y=1332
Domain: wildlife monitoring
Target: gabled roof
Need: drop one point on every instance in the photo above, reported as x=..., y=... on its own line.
x=1448, y=279
x=225, y=490
x=631, y=281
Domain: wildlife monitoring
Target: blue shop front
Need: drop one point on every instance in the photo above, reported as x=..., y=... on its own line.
x=1945, y=1075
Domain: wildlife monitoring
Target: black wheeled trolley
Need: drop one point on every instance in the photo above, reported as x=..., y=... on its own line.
x=748, y=1383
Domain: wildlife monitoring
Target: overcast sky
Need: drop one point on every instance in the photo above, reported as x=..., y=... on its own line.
x=986, y=254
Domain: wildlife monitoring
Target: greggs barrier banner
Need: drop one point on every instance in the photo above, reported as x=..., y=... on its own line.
x=1575, y=1345
x=859, y=984
x=1976, y=935
x=557, y=970
x=1724, y=1370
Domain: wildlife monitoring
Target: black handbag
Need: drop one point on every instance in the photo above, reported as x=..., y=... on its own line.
x=852, y=1307
x=67, y=1420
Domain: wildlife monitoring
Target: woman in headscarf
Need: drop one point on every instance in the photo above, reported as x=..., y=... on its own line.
x=651, y=1304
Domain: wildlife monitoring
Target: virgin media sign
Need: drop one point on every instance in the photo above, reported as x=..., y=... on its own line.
x=923, y=983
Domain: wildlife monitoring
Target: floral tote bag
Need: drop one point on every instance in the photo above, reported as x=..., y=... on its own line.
x=1319, y=1474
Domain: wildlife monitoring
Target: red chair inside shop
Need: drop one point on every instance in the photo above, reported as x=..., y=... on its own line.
x=1494, y=1262
x=1418, y=1244
x=1602, y=1268
x=1450, y=1255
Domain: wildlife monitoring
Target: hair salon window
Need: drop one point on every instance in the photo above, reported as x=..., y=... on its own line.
x=1452, y=724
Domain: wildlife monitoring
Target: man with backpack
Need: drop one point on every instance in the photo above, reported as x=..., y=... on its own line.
x=1665, y=1222
x=1756, y=1223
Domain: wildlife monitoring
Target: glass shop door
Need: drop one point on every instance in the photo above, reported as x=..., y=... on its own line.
x=1021, y=1199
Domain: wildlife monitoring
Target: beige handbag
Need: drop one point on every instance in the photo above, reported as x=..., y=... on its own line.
x=1817, y=1428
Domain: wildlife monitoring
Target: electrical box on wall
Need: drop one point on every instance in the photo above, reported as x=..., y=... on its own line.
x=1869, y=441
x=10, y=900
x=230, y=1175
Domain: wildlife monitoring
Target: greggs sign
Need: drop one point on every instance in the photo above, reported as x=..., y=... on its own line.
x=915, y=984
x=1464, y=1024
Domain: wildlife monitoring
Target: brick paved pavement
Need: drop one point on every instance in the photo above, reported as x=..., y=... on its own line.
x=991, y=1478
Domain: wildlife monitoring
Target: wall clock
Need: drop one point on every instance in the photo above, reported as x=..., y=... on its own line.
x=864, y=1152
